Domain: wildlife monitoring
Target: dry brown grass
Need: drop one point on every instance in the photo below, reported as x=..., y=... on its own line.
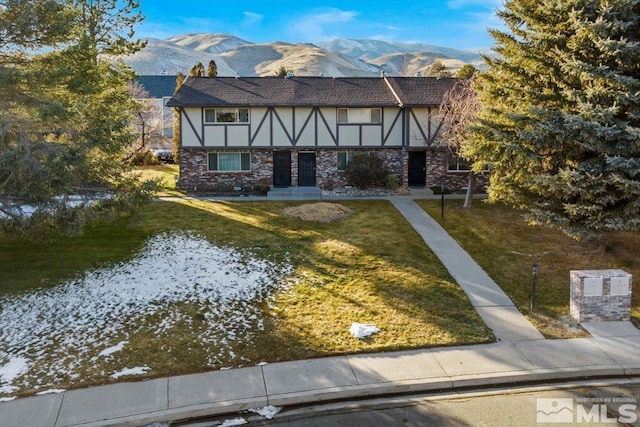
x=321, y=212
x=499, y=239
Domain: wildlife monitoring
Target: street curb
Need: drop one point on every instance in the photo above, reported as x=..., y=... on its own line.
x=369, y=391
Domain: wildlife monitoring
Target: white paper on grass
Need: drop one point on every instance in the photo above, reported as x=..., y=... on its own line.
x=360, y=330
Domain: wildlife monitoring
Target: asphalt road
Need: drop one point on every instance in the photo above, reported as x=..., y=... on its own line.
x=602, y=403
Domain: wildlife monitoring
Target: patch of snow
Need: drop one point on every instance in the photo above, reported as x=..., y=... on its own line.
x=11, y=370
x=359, y=330
x=140, y=370
x=114, y=349
x=267, y=411
x=7, y=399
x=262, y=363
x=71, y=324
x=234, y=422
x=51, y=391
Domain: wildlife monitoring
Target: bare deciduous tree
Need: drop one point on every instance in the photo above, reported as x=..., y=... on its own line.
x=460, y=107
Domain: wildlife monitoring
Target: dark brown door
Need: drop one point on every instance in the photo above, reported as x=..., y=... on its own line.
x=417, y=168
x=281, y=168
x=306, y=169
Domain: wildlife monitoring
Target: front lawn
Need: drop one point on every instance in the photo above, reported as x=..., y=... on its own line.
x=506, y=247
x=190, y=286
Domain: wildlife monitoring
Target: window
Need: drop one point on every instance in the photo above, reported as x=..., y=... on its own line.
x=226, y=115
x=376, y=115
x=345, y=157
x=457, y=163
x=229, y=162
x=460, y=164
x=359, y=115
x=343, y=115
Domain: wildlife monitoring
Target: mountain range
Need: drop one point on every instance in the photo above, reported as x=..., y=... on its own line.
x=335, y=58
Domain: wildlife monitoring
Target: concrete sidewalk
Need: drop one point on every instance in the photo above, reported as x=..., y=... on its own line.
x=334, y=378
x=492, y=304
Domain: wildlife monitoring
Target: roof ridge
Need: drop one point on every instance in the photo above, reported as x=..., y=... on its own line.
x=400, y=103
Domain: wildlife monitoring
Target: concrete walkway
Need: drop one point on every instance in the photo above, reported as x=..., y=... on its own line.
x=334, y=378
x=521, y=356
x=492, y=304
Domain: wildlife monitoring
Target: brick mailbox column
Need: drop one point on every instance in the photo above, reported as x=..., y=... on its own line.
x=600, y=295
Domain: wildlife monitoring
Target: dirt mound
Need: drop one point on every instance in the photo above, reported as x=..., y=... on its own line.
x=321, y=212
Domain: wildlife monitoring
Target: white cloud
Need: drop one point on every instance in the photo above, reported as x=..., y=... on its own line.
x=317, y=25
x=251, y=18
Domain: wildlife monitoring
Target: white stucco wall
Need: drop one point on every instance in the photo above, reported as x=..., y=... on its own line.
x=302, y=126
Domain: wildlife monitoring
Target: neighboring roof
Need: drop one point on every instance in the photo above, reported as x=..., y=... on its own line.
x=309, y=91
x=158, y=86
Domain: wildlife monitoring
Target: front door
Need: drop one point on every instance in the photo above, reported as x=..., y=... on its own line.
x=306, y=169
x=417, y=168
x=282, y=168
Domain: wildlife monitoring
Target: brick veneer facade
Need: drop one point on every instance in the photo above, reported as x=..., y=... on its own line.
x=195, y=176
x=594, y=298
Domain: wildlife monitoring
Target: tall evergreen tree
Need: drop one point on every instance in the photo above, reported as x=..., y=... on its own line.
x=560, y=126
x=65, y=115
x=197, y=70
x=212, y=69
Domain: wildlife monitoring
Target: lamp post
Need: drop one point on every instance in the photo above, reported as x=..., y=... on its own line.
x=534, y=269
x=442, y=200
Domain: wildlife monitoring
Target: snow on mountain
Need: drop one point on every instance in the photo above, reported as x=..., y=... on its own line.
x=212, y=43
x=335, y=58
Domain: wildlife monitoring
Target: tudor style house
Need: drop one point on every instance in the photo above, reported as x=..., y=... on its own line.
x=252, y=132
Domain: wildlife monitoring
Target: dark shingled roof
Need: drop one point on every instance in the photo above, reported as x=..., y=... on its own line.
x=158, y=86
x=309, y=91
x=421, y=91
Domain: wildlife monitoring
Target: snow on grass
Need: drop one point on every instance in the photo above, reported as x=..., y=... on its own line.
x=109, y=351
x=15, y=367
x=140, y=370
x=53, y=335
x=51, y=391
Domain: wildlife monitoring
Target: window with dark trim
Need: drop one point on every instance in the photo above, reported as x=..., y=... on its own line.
x=229, y=162
x=226, y=115
x=460, y=164
x=359, y=115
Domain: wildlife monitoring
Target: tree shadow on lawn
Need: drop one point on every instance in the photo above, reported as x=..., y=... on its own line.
x=370, y=268
x=505, y=246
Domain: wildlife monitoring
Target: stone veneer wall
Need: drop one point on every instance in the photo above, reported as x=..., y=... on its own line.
x=328, y=176
x=437, y=168
x=600, y=295
x=194, y=175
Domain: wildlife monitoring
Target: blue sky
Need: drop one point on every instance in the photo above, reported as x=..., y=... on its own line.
x=451, y=23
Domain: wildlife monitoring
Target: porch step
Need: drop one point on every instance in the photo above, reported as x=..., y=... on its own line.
x=294, y=193
x=421, y=192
